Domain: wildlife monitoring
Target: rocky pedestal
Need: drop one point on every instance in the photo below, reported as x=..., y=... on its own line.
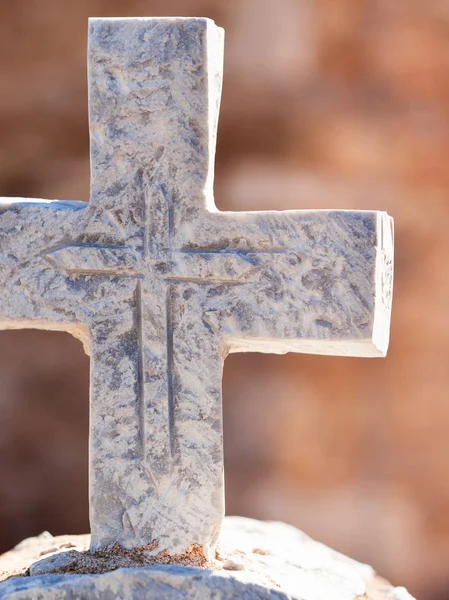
x=255, y=560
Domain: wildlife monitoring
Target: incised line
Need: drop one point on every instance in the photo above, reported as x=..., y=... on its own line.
x=141, y=387
x=170, y=215
x=99, y=272
x=140, y=370
x=170, y=390
x=146, y=225
x=216, y=281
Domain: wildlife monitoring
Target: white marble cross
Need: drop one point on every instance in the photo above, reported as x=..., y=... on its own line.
x=161, y=286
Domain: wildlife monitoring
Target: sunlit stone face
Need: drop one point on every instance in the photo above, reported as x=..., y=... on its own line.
x=160, y=286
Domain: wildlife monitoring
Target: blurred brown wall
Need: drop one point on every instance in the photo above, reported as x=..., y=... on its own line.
x=327, y=103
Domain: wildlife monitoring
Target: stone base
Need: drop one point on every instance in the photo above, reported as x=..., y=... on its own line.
x=255, y=560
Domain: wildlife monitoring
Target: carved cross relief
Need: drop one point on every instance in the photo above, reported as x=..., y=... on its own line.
x=161, y=286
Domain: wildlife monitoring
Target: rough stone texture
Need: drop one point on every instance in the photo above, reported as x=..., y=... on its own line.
x=329, y=104
x=160, y=286
x=275, y=561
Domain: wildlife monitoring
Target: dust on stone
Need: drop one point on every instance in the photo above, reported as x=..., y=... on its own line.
x=110, y=559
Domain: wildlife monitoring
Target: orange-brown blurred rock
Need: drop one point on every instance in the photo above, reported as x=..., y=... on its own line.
x=326, y=103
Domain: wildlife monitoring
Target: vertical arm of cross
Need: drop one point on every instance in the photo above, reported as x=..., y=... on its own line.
x=154, y=90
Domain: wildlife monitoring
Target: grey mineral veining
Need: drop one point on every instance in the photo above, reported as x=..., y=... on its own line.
x=160, y=286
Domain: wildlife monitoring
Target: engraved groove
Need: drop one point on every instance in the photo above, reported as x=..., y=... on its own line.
x=64, y=245
x=227, y=251
x=97, y=259
x=171, y=216
x=141, y=387
x=99, y=272
x=140, y=371
x=208, y=281
x=146, y=225
x=170, y=388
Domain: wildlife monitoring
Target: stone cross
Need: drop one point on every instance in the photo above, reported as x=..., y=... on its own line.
x=161, y=286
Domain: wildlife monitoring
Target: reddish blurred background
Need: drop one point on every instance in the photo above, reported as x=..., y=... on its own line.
x=326, y=103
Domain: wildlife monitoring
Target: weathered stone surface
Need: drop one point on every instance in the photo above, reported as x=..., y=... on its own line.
x=275, y=561
x=160, y=286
